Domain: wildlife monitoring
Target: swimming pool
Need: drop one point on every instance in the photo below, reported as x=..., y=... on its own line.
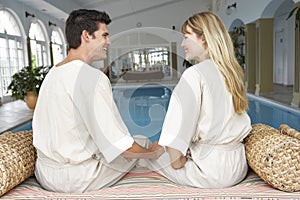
x=143, y=108
x=264, y=111
x=22, y=127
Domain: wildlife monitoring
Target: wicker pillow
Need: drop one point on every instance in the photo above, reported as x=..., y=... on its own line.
x=17, y=159
x=285, y=129
x=274, y=156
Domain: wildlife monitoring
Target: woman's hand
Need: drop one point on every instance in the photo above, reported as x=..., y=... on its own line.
x=177, y=159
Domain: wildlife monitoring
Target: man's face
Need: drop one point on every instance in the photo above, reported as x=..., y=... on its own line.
x=100, y=43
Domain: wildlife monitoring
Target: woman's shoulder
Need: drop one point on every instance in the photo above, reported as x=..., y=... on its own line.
x=199, y=68
x=208, y=63
x=190, y=74
x=207, y=68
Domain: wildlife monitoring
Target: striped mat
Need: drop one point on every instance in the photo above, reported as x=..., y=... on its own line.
x=145, y=184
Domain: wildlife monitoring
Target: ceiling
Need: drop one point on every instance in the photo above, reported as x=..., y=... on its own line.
x=60, y=9
x=95, y=3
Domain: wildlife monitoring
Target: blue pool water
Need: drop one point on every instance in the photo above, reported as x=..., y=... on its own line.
x=267, y=112
x=22, y=127
x=143, y=110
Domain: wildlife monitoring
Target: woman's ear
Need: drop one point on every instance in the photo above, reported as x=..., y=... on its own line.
x=203, y=39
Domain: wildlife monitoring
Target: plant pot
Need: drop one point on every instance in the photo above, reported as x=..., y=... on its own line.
x=30, y=100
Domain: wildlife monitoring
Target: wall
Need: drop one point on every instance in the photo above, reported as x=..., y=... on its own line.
x=174, y=15
x=284, y=59
x=20, y=8
x=165, y=16
x=249, y=11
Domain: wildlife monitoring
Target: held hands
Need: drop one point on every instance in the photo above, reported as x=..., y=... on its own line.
x=179, y=162
x=177, y=159
x=137, y=151
x=156, y=150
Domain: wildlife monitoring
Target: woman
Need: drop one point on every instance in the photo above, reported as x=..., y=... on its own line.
x=206, y=121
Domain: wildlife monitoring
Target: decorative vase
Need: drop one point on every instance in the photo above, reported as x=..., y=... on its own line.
x=31, y=99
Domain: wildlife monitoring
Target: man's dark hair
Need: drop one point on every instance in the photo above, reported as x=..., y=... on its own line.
x=80, y=20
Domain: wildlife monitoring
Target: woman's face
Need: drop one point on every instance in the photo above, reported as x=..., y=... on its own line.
x=193, y=46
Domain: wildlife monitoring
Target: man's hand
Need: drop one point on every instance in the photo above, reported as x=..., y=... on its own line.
x=156, y=149
x=137, y=151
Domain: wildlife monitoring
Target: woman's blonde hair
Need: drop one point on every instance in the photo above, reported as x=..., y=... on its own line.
x=220, y=50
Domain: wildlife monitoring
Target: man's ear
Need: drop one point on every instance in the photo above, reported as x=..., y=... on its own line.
x=85, y=35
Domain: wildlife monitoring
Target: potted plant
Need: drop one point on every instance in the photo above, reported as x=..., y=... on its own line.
x=294, y=11
x=237, y=36
x=26, y=83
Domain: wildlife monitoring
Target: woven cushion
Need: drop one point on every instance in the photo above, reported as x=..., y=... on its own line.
x=275, y=157
x=17, y=156
x=285, y=129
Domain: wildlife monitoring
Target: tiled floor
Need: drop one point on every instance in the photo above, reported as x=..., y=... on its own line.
x=281, y=94
x=15, y=113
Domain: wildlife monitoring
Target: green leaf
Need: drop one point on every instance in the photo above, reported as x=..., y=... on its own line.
x=293, y=12
x=27, y=79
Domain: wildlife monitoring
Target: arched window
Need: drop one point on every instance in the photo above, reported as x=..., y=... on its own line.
x=57, y=45
x=11, y=49
x=38, y=45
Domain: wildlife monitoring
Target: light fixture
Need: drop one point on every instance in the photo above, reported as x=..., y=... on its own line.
x=27, y=14
x=139, y=24
x=32, y=17
x=230, y=8
x=52, y=25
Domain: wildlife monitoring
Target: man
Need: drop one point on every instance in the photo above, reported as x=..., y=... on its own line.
x=82, y=143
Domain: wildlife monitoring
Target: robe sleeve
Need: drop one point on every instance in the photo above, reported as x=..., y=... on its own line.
x=182, y=115
x=116, y=138
x=100, y=115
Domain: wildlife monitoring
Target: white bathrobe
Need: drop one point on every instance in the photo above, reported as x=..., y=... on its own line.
x=78, y=132
x=201, y=118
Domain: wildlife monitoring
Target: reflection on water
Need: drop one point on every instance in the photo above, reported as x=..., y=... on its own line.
x=264, y=111
x=143, y=110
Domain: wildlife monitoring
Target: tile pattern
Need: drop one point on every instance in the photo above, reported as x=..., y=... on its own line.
x=13, y=114
x=282, y=94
